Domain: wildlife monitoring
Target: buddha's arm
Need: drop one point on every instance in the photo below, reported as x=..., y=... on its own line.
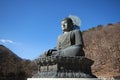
x=76, y=48
x=79, y=38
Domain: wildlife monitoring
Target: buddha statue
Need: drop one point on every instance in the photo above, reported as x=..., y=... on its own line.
x=70, y=43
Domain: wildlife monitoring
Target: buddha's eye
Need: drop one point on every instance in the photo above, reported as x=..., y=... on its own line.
x=63, y=25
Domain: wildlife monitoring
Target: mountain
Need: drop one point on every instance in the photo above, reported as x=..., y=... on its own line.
x=13, y=67
x=102, y=45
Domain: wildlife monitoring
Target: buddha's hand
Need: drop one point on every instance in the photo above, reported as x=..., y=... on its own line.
x=50, y=51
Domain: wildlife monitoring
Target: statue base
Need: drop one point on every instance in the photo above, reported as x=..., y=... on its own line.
x=63, y=79
x=62, y=75
x=64, y=67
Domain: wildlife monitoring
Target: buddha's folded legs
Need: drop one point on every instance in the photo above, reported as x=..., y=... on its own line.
x=70, y=51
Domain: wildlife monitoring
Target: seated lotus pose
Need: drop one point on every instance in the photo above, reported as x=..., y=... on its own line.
x=70, y=43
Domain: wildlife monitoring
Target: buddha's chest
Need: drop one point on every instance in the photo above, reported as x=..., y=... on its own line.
x=64, y=41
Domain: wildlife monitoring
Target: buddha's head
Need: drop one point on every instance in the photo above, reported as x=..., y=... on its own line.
x=67, y=24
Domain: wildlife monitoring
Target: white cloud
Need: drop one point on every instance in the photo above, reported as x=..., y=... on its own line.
x=6, y=41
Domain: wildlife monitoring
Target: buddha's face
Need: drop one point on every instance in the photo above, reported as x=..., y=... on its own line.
x=66, y=25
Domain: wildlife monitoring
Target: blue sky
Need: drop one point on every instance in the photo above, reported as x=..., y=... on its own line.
x=30, y=27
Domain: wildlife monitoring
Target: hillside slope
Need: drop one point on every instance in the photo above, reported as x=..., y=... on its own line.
x=9, y=63
x=13, y=67
x=102, y=44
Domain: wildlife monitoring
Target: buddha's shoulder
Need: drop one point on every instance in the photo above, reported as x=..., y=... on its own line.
x=76, y=31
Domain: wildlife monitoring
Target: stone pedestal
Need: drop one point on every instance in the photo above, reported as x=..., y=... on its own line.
x=64, y=67
x=63, y=79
